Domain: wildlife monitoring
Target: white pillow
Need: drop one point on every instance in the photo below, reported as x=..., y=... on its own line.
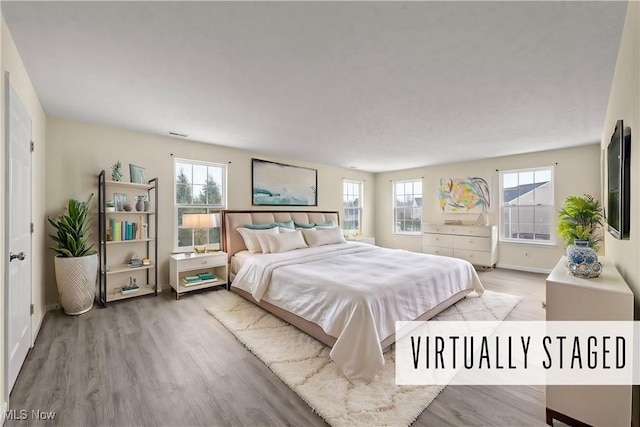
x=251, y=240
x=328, y=236
x=263, y=242
x=284, y=242
x=286, y=230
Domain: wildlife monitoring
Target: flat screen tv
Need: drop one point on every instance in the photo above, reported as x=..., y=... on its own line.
x=618, y=182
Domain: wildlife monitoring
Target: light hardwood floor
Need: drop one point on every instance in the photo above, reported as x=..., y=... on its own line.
x=158, y=361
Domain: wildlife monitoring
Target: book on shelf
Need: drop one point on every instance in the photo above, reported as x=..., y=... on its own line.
x=128, y=289
x=207, y=276
x=191, y=281
x=125, y=230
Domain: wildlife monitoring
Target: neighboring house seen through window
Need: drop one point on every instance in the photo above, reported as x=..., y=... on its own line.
x=407, y=206
x=352, y=202
x=200, y=187
x=527, y=212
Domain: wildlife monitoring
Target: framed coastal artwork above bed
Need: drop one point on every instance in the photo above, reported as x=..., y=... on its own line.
x=278, y=184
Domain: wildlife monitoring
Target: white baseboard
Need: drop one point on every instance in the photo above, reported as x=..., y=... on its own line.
x=523, y=268
x=35, y=333
x=3, y=416
x=54, y=306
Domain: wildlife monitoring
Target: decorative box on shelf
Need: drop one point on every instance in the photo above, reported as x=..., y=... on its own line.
x=189, y=272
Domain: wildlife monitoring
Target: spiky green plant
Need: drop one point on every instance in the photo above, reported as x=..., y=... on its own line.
x=116, y=173
x=581, y=219
x=72, y=230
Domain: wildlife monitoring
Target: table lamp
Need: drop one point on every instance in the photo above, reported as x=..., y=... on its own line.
x=201, y=221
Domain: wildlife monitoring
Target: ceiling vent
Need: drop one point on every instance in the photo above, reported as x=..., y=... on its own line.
x=180, y=135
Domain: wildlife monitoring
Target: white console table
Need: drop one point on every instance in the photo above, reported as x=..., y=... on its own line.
x=606, y=297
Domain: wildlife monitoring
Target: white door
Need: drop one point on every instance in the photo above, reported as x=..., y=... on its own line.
x=18, y=233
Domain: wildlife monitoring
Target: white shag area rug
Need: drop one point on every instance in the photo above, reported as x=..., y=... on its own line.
x=303, y=363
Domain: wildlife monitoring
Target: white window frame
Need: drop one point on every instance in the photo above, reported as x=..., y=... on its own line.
x=211, y=208
x=551, y=208
x=345, y=196
x=395, y=207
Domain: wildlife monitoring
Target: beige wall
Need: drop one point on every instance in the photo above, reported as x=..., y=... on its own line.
x=12, y=64
x=624, y=103
x=576, y=171
x=77, y=152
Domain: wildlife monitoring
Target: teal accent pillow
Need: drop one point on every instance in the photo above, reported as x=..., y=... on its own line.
x=303, y=225
x=325, y=224
x=265, y=226
x=288, y=224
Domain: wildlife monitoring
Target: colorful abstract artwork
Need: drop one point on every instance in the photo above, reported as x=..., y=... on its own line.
x=464, y=195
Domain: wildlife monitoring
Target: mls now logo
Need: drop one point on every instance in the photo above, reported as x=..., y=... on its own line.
x=34, y=414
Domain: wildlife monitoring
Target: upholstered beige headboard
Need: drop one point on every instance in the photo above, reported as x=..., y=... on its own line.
x=232, y=241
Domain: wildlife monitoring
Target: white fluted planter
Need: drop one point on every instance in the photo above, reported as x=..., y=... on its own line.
x=76, y=279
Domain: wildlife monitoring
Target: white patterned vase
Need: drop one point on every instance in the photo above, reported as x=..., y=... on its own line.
x=76, y=280
x=582, y=261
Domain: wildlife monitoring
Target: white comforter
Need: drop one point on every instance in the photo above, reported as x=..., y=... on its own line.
x=356, y=292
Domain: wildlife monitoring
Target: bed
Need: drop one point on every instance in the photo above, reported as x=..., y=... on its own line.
x=347, y=295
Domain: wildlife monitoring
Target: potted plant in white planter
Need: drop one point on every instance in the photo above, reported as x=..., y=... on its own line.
x=76, y=262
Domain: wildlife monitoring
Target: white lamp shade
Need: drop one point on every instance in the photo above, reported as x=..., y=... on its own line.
x=199, y=220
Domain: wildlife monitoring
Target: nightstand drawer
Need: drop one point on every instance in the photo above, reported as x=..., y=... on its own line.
x=202, y=262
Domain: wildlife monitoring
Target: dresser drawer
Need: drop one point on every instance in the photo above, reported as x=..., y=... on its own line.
x=474, y=257
x=434, y=228
x=200, y=262
x=466, y=230
x=472, y=243
x=436, y=250
x=442, y=240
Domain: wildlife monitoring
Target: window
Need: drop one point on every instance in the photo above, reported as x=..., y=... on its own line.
x=527, y=209
x=407, y=206
x=352, y=203
x=200, y=187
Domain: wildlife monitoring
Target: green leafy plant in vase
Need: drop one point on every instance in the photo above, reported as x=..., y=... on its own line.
x=580, y=227
x=76, y=261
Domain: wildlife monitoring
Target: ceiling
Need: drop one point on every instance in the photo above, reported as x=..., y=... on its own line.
x=377, y=86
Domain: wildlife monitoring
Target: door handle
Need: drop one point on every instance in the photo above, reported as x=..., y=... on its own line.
x=19, y=256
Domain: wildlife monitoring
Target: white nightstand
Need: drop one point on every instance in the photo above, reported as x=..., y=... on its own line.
x=183, y=266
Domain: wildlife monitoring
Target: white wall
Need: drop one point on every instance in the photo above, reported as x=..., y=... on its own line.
x=11, y=62
x=576, y=172
x=77, y=152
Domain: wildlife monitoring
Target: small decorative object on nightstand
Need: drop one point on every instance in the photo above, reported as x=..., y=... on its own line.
x=189, y=272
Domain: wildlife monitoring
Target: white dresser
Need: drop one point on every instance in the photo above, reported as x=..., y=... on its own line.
x=606, y=297
x=474, y=243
